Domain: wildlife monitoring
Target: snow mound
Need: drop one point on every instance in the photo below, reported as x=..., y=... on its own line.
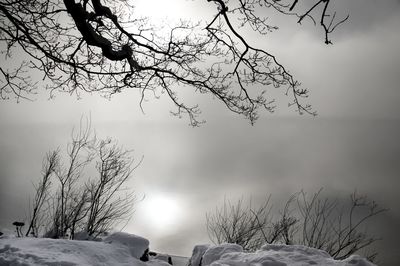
x=120, y=251
x=197, y=255
x=283, y=255
x=216, y=252
x=62, y=252
x=137, y=245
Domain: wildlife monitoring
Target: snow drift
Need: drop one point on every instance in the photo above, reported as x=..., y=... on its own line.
x=268, y=255
x=283, y=255
x=136, y=245
x=123, y=249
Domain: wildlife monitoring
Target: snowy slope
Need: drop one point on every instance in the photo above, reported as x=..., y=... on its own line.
x=269, y=255
x=283, y=255
x=118, y=249
x=123, y=249
x=42, y=251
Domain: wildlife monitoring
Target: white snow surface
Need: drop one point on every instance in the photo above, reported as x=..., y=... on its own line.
x=44, y=251
x=137, y=245
x=216, y=252
x=197, y=254
x=120, y=250
x=283, y=255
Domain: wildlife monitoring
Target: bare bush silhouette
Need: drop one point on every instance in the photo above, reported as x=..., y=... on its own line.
x=77, y=202
x=106, y=47
x=337, y=229
x=114, y=169
x=42, y=192
x=251, y=225
x=239, y=223
x=285, y=227
x=312, y=221
x=80, y=154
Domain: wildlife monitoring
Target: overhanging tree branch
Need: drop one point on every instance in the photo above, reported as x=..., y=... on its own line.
x=103, y=46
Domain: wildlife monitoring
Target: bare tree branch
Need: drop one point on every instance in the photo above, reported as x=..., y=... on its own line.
x=103, y=46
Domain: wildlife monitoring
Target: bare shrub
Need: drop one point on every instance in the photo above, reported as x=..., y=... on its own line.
x=105, y=207
x=339, y=229
x=41, y=191
x=74, y=201
x=239, y=223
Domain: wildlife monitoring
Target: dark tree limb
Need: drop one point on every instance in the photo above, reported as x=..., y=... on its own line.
x=103, y=46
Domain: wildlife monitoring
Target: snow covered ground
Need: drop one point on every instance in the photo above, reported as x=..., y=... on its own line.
x=44, y=251
x=125, y=249
x=275, y=255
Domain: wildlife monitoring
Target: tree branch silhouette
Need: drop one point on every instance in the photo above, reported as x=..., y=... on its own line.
x=105, y=47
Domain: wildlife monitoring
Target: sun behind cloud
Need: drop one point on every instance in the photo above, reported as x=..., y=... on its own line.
x=161, y=212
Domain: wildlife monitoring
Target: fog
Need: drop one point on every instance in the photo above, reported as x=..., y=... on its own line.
x=351, y=145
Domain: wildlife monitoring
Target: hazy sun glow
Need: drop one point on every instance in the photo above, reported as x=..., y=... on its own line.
x=161, y=211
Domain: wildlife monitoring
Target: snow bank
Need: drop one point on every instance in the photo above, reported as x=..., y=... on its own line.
x=44, y=251
x=137, y=245
x=123, y=249
x=118, y=249
x=283, y=255
x=197, y=254
x=216, y=252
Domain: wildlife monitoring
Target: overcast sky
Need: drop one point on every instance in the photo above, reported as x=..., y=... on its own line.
x=352, y=144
